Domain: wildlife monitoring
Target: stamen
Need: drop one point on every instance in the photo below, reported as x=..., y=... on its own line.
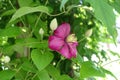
x=71, y=38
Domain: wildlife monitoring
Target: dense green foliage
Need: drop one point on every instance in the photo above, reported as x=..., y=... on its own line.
x=30, y=57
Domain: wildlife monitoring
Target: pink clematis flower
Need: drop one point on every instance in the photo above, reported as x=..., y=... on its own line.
x=63, y=42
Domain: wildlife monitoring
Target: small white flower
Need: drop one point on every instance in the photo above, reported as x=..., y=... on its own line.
x=41, y=31
x=53, y=24
x=88, y=33
x=5, y=59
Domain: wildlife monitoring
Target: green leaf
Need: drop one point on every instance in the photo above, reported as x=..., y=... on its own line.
x=43, y=75
x=104, y=13
x=78, y=59
x=7, y=50
x=53, y=72
x=23, y=3
x=27, y=66
x=88, y=69
x=10, y=32
x=41, y=60
x=8, y=12
x=114, y=53
x=108, y=72
x=32, y=43
x=63, y=2
x=26, y=10
x=20, y=74
x=65, y=77
x=6, y=74
x=20, y=49
x=116, y=5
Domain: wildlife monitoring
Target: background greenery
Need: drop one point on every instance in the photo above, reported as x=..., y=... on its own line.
x=30, y=57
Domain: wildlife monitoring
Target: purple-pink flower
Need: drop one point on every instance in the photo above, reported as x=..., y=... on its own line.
x=63, y=42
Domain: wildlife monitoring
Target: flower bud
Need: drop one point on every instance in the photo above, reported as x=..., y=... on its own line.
x=88, y=33
x=53, y=24
x=41, y=31
x=5, y=59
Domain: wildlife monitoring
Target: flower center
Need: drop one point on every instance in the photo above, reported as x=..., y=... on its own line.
x=71, y=38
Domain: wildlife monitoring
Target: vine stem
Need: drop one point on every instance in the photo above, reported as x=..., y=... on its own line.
x=62, y=58
x=38, y=19
x=65, y=11
x=57, y=14
x=111, y=62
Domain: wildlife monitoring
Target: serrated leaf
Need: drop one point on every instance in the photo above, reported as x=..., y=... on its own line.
x=6, y=74
x=104, y=13
x=88, y=69
x=26, y=10
x=41, y=60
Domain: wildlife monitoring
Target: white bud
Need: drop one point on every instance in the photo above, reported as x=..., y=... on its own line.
x=0, y=18
x=41, y=31
x=53, y=24
x=88, y=33
x=4, y=8
x=12, y=25
x=5, y=59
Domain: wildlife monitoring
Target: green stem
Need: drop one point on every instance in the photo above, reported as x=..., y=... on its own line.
x=27, y=75
x=38, y=19
x=58, y=14
x=65, y=11
x=58, y=63
x=41, y=37
x=12, y=5
x=81, y=39
x=111, y=62
x=36, y=24
x=34, y=76
x=62, y=58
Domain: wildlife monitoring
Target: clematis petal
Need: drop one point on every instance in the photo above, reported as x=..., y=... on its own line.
x=55, y=43
x=62, y=31
x=72, y=48
x=65, y=51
